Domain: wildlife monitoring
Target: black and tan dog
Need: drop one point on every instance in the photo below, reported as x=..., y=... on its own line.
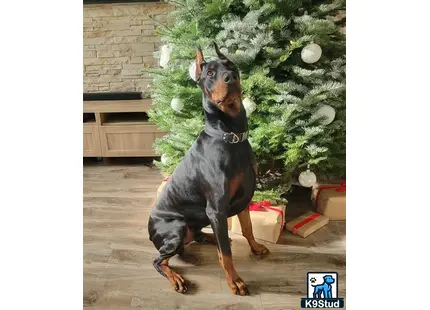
x=214, y=181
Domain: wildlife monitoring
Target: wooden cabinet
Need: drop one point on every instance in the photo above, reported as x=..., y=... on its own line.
x=119, y=128
x=91, y=141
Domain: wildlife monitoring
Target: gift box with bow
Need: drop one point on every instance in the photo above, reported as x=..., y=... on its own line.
x=267, y=221
x=307, y=224
x=330, y=200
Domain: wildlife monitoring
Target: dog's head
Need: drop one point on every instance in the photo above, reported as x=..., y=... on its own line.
x=328, y=279
x=220, y=82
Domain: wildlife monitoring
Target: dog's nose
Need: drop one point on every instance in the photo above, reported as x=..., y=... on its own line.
x=228, y=77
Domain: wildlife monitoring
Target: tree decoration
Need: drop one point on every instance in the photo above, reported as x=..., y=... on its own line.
x=287, y=91
x=165, y=55
x=177, y=104
x=307, y=178
x=249, y=106
x=311, y=53
x=326, y=113
x=164, y=159
x=192, y=70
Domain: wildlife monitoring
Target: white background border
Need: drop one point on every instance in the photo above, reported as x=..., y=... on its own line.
x=387, y=154
x=387, y=139
x=41, y=155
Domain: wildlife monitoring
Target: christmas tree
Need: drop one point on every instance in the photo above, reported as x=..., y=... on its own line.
x=291, y=56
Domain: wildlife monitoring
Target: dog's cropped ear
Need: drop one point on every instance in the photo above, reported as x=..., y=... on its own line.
x=199, y=62
x=223, y=58
x=218, y=52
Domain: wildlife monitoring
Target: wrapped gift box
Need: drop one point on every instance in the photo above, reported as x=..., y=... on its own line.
x=317, y=186
x=330, y=200
x=267, y=221
x=307, y=224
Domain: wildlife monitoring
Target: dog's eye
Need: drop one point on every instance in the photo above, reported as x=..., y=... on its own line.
x=210, y=73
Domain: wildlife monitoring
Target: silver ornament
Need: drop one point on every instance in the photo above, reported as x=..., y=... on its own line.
x=164, y=159
x=165, y=55
x=177, y=104
x=307, y=178
x=326, y=113
x=249, y=106
x=311, y=53
x=192, y=70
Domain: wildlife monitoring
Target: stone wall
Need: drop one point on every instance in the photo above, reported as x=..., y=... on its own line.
x=119, y=40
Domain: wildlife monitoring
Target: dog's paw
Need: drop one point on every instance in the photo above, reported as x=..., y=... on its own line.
x=238, y=287
x=177, y=282
x=259, y=249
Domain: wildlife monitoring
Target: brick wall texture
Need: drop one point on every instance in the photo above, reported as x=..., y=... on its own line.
x=119, y=40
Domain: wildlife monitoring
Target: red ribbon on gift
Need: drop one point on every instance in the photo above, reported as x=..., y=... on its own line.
x=265, y=206
x=304, y=222
x=341, y=188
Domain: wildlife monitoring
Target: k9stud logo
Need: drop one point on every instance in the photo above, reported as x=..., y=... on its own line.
x=322, y=291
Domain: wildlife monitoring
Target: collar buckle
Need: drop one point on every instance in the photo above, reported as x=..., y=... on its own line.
x=229, y=137
x=236, y=138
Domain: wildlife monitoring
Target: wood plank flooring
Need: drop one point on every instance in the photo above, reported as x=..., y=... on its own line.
x=118, y=271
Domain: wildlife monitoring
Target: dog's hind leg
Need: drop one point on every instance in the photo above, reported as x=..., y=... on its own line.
x=168, y=238
x=177, y=281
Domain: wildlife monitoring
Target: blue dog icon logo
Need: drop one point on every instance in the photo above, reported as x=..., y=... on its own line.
x=323, y=288
x=322, y=291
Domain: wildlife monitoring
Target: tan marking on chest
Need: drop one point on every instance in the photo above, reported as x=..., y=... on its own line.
x=234, y=184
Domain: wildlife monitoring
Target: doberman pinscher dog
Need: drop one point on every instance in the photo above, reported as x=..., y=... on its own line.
x=215, y=180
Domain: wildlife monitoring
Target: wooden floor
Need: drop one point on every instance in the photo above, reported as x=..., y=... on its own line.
x=118, y=271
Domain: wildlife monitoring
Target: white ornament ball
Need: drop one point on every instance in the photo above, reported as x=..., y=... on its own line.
x=164, y=159
x=177, y=104
x=311, y=53
x=326, y=113
x=165, y=55
x=249, y=106
x=307, y=178
x=192, y=70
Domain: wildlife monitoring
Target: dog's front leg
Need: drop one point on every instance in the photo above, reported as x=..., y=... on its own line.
x=246, y=225
x=217, y=213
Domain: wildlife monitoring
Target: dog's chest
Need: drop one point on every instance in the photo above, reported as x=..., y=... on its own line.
x=243, y=191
